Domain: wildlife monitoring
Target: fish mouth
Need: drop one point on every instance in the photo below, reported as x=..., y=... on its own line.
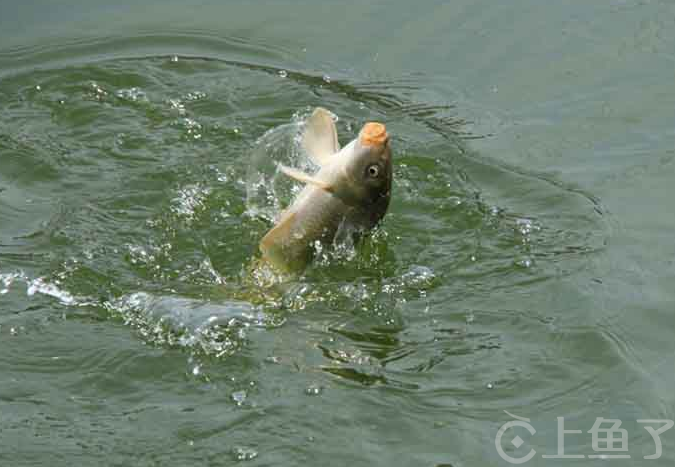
x=373, y=134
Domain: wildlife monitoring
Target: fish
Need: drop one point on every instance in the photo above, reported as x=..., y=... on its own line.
x=350, y=192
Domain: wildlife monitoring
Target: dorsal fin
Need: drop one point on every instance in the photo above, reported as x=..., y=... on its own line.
x=319, y=138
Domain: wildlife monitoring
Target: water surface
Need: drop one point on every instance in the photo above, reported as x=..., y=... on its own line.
x=525, y=264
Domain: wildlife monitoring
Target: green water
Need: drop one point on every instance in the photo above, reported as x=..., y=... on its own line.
x=526, y=263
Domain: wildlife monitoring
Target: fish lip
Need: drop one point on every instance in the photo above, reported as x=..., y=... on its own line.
x=373, y=134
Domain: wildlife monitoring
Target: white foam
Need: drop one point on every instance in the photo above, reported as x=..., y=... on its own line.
x=39, y=285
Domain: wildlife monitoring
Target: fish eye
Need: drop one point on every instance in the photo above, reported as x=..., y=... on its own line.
x=373, y=171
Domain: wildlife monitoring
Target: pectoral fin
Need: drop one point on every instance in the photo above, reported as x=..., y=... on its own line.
x=320, y=136
x=301, y=176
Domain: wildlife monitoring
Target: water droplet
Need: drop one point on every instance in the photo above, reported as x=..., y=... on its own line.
x=38, y=88
x=525, y=262
x=326, y=79
x=418, y=275
x=174, y=59
x=196, y=370
x=314, y=390
x=283, y=73
x=489, y=385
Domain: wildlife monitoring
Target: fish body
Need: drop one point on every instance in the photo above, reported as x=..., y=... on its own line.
x=350, y=192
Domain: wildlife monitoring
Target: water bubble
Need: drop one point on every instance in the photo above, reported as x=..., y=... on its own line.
x=489, y=385
x=38, y=88
x=98, y=92
x=239, y=397
x=195, y=95
x=454, y=200
x=524, y=226
x=193, y=127
x=131, y=94
x=177, y=105
x=189, y=201
x=326, y=79
x=138, y=255
x=242, y=453
x=6, y=281
x=174, y=59
x=494, y=210
x=283, y=73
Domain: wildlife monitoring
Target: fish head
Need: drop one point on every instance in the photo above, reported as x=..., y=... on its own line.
x=368, y=171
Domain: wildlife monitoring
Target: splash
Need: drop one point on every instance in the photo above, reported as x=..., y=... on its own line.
x=41, y=286
x=209, y=328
